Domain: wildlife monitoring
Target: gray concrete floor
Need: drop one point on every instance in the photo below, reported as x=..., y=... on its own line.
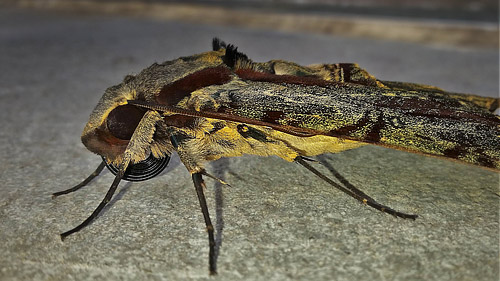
x=279, y=221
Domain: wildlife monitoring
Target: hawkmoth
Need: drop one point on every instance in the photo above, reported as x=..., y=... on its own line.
x=222, y=104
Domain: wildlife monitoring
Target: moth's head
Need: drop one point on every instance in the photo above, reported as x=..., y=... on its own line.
x=113, y=121
x=111, y=127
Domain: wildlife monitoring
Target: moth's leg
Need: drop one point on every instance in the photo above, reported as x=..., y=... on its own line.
x=215, y=178
x=137, y=150
x=342, y=180
x=103, y=203
x=308, y=159
x=83, y=183
x=191, y=162
x=356, y=193
x=345, y=182
x=199, y=185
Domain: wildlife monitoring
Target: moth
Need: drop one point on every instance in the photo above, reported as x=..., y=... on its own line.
x=222, y=104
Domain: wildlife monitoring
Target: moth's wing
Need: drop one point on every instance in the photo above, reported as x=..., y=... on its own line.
x=354, y=74
x=488, y=103
x=416, y=121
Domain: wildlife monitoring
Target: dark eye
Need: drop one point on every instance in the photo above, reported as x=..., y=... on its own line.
x=123, y=120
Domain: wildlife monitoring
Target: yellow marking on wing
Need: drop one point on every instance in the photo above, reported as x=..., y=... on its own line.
x=389, y=94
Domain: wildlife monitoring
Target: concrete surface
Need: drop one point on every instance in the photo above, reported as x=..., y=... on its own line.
x=279, y=221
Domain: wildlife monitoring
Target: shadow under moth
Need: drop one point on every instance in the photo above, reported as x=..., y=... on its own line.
x=222, y=104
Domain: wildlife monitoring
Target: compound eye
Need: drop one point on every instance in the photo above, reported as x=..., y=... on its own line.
x=123, y=120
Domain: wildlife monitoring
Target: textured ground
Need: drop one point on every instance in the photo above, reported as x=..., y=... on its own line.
x=279, y=221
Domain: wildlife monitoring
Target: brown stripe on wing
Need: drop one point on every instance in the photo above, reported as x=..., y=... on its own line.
x=365, y=129
x=174, y=92
x=272, y=116
x=477, y=154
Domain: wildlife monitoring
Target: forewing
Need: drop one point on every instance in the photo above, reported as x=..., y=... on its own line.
x=416, y=121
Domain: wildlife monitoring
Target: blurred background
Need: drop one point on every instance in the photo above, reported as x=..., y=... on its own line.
x=449, y=22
